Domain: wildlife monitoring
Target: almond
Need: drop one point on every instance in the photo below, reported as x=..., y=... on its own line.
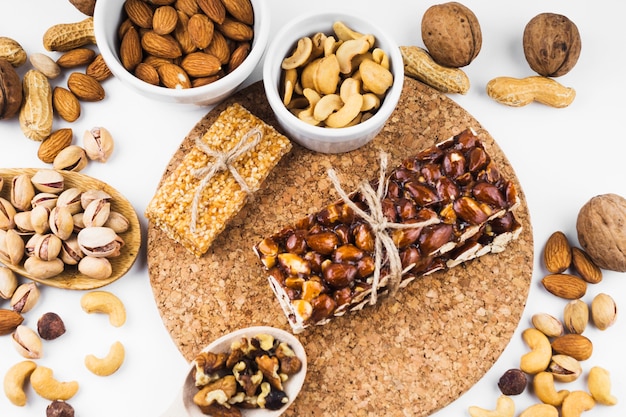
x=147, y=73
x=565, y=286
x=235, y=30
x=585, y=267
x=219, y=47
x=240, y=10
x=214, y=9
x=200, y=29
x=164, y=20
x=98, y=69
x=66, y=104
x=76, y=58
x=130, y=49
x=9, y=320
x=200, y=64
x=188, y=7
x=557, y=253
x=85, y=87
x=238, y=56
x=575, y=345
x=55, y=143
x=173, y=76
x=139, y=12
x=181, y=33
x=163, y=46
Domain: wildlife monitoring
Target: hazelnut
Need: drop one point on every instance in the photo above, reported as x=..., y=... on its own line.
x=50, y=326
x=512, y=382
x=58, y=408
x=601, y=231
x=452, y=34
x=10, y=90
x=551, y=44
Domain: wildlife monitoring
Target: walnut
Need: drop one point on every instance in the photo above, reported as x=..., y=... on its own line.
x=10, y=90
x=551, y=44
x=601, y=227
x=452, y=34
x=84, y=6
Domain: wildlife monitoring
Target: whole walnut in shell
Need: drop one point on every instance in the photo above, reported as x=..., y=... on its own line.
x=451, y=34
x=601, y=227
x=551, y=44
x=10, y=90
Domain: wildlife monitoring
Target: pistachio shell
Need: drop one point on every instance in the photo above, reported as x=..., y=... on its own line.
x=8, y=282
x=27, y=342
x=11, y=247
x=71, y=253
x=48, y=181
x=7, y=214
x=70, y=198
x=43, y=269
x=25, y=297
x=98, y=144
x=99, y=241
x=97, y=268
x=61, y=222
x=39, y=219
x=22, y=192
x=90, y=195
x=48, y=200
x=97, y=212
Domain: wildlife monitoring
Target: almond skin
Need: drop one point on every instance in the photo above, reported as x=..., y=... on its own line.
x=585, y=267
x=98, y=69
x=236, y=30
x=9, y=320
x=164, y=20
x=65, y=104
x=173, y=76
x=214, y=9
x=76, y=58
x=200, y=29
x=139, y=12
x=85, y=87
x=162, y=46
x=147, y=73
x=565, y=286
x=200, y=64
x=557, y=253
x=130, y=49
x=240, y=10
x=575, y=345
x=55, y=143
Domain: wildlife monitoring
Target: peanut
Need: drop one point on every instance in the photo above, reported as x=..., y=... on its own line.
x=518, y=92
x=420, y=65
x=36, y=114
x=67, y=36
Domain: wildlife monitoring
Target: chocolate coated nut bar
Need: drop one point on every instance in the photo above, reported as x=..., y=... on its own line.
x=444, y=206
x=195, y=202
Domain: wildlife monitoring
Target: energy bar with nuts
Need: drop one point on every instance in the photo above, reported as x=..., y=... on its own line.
x=233, y=157
x=452, y=195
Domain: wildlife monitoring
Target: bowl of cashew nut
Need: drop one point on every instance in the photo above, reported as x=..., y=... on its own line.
x=332, y=80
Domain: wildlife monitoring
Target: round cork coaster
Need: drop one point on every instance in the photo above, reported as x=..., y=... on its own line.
x=410, y=354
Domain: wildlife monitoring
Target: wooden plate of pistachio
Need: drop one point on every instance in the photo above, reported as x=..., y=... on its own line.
x=65, y=229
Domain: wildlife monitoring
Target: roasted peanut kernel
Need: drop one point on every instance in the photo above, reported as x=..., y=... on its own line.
x=324, y=243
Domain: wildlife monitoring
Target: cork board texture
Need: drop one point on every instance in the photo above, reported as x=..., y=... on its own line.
x=410, y=354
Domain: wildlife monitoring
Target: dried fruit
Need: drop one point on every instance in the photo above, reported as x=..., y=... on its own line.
x=601, y=231
x=551, y=44
x=451, y=34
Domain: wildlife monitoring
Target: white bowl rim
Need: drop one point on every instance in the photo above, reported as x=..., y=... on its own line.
x=238, y=76
x=318, y=133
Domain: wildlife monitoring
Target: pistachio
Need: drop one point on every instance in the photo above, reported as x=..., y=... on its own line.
x=25, y=297
x=71, y=158
x=603, y=311
x=47, y=200
x=576, y=316
x=98, y=144
x=99, y=242
x=48, y=181
x=11, y=247
x=93, y=194
x=97, y=212
x=47, y=247
x=71, y=253
x=27, y=343
x=22, y=192
x=7, y=214
x=70, y=198
x=43, y=269
x=547, y=324
x=564, y=368
x=97, y=268
x=79, y=224
x=8, y=282
x=40, y=219
x=118, y=222
x=61, y=222
x=23, y=223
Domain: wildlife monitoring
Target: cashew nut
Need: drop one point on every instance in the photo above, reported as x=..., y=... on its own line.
x=348, y=50
x=543, y=385
x=319, y=40
x=538, y=358
x=326, y=106
x=505, y=407
x=14, y=381
x=350, y=110
x=344, y=33
x=44, y=384
x=376, y=78
x=326, y=78
x=109, y=364
x=370, y=102
x=107, y=303
x=303, y=51
x=380, y=57
x=599, y=384
x=330, y=45
x=517, y=92
x=348, y=87
x=307, y=77
x=289, y=83
x=540, y=410
x=575, y=403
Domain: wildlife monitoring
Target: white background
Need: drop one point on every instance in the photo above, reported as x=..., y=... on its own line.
x=562, y=157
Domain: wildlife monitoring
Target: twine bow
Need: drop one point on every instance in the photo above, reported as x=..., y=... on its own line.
x=224, y=161
x=380, y=227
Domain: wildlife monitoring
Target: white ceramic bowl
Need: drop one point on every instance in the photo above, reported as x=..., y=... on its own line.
x=292, y=385
x=107, y=17
x=324, y=139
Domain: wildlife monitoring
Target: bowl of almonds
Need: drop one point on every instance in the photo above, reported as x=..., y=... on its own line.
x=190, y=52
x=332, y=80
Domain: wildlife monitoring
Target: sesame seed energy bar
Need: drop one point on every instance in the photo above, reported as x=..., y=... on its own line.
x=233, y=157
x=444, y=206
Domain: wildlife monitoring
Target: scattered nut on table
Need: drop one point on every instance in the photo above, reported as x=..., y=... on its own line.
x=50, y=326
